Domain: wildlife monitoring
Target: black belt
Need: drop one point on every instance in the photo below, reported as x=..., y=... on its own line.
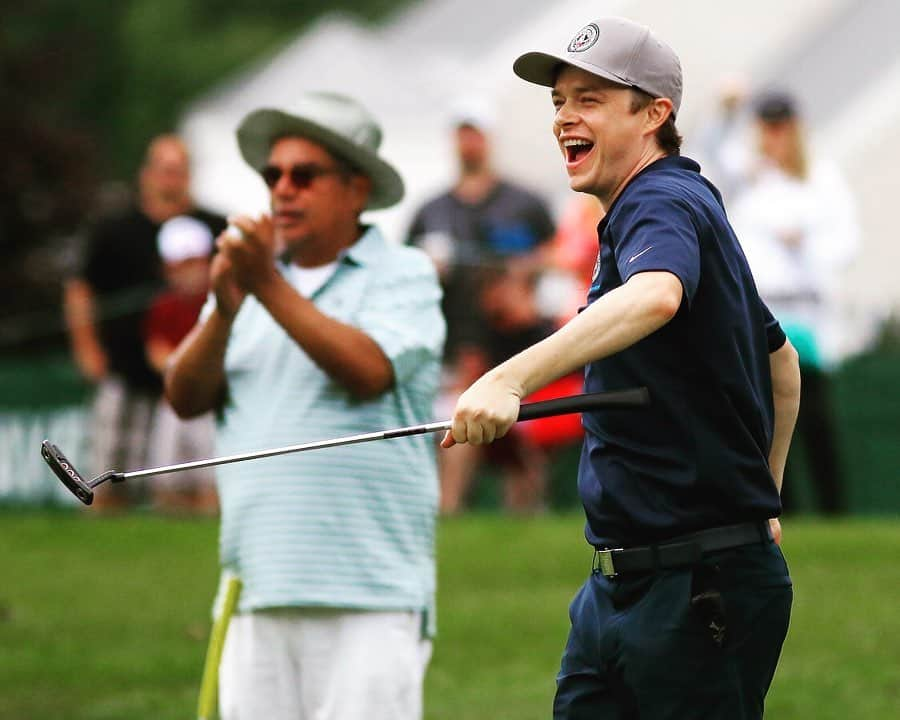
x=680, y=551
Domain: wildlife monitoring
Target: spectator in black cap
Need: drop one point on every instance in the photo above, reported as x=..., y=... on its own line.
x=798, y=227
x=776, y=107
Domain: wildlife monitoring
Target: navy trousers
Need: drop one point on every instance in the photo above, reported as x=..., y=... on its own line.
x=679, y=644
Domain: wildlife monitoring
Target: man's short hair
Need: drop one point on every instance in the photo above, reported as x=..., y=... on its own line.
x=667, y=136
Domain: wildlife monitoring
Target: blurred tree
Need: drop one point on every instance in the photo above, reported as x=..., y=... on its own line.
x=48, y=53
x=84, y=86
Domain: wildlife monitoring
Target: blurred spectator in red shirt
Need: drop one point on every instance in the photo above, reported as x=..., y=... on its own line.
x=185, y=247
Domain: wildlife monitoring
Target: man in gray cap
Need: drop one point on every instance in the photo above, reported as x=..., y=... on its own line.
x=687, y=607
x=319, y=328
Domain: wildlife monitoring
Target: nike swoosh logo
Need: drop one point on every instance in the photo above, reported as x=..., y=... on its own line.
x=637, y=255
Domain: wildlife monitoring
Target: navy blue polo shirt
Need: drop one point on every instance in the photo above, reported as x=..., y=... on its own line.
x=698, y=456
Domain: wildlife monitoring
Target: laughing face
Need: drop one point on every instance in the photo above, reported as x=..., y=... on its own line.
x=603, y=141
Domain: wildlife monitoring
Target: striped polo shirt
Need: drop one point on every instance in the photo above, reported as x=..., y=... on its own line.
x=346, y=527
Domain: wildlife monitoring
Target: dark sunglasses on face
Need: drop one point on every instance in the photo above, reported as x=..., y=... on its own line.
x=301, y=176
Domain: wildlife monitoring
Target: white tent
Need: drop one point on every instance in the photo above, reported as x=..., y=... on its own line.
x=413, y=70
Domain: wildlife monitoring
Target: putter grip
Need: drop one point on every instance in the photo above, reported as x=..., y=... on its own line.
x=635, y=397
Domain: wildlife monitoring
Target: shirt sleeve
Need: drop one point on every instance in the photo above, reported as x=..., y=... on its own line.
x=774, y=334
x=654, y=231
x=403, y=314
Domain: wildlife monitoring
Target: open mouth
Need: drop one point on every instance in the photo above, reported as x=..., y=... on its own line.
x=576, y=150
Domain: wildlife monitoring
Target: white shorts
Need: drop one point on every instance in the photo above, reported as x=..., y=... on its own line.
x=323, y=664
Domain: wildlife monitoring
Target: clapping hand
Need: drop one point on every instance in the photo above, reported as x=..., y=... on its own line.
x=250, y=252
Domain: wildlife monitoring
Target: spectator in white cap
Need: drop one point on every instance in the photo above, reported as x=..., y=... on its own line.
x=185, y=247
x=335, y=333
x=687, y=606
x=184, y=238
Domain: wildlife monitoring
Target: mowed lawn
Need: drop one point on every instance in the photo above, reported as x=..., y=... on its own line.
x=106, y=618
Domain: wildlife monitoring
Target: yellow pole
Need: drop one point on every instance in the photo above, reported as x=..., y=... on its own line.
x=209, y=686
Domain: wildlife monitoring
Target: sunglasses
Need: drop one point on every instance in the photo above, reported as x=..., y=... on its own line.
x=301, y=176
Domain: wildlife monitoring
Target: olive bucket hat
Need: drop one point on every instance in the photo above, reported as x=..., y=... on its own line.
x=338, y=123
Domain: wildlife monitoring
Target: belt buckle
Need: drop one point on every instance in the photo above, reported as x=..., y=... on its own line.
x=603, y=562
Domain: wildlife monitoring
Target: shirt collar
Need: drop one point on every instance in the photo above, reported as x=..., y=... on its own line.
x=664, y=163
x=366, y=249
x=362, y=252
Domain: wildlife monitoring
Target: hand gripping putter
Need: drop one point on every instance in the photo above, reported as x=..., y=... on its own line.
x=84, y=489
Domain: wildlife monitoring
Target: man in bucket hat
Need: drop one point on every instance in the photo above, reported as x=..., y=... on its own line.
x=317, y=327
x=688, y=603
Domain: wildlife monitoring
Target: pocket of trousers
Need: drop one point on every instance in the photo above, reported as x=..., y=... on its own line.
x=707, y=603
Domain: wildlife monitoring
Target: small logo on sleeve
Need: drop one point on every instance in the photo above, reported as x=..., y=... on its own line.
x=596, y=269
x=637, y=255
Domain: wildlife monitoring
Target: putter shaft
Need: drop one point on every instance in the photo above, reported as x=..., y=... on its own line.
x=84, y=489
x=318, y=445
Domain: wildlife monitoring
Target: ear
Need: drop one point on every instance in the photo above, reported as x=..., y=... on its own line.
x=360, y=187
x=658, y=111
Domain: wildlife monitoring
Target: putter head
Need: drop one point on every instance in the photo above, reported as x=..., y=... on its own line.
x=66, y=472
x=71, y=478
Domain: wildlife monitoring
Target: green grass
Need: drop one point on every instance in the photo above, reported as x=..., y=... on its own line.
x=108, y=618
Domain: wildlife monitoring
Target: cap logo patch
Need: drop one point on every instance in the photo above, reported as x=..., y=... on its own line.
x=585, y=38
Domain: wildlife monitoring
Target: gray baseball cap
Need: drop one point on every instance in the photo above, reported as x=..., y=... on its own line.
x=616, y=49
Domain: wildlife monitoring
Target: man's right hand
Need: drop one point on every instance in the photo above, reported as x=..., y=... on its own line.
x=485, y=412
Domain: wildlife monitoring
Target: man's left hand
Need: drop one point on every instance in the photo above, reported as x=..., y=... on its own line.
x=775, y=525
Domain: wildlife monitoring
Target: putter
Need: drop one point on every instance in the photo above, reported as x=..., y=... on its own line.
x=84, y=489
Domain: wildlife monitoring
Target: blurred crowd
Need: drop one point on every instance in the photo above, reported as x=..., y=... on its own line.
x=512, y=270
x=142, y=281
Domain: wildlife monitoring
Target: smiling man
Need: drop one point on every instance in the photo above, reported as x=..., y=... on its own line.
x=319, y=328
x=688, y=603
